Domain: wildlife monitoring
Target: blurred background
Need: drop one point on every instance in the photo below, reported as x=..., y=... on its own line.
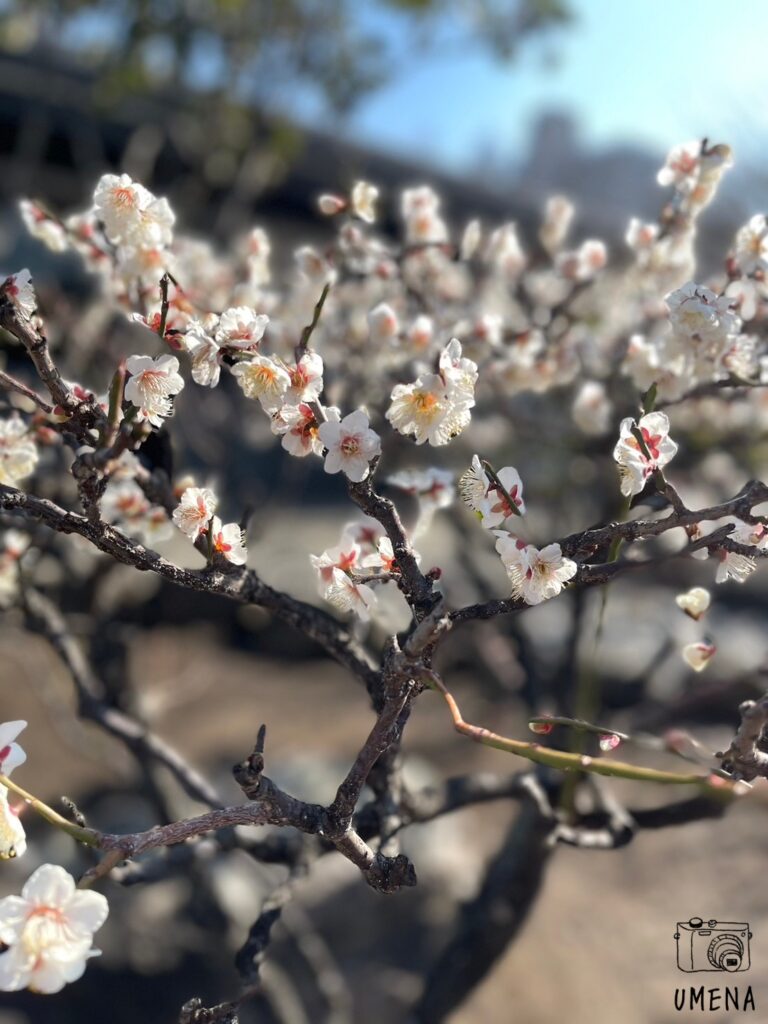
x=242, y=112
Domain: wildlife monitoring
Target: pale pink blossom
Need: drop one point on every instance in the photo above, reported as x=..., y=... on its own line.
x=241, y=328
x=196, y=508
x=13, y=839
x=49, y=931
x=228, y=542
x=346, y=595
x=697, y=656
x=263, y=379
x=363, y=200
x=18, y=288
x=694, y=602
x=11, y=754
x=18, y=452
x=351, y=446
x=635, y=466
x=131, y=215
x=306, y=379
x=344, y=557
x=681, y=168
x=536, y=575
x=330, y=204
x=43, y=227
x=151, y=386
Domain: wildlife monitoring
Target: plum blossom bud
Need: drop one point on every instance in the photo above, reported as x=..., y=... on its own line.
x=423, y=224
x=470, y=240
x=640, y=236
x=351, y=445
x=558, y=215
x=330, y=205
x=48, y=931
x=383, y=324
x=681, y=168
x=504, y=252
x=592, y=409
x=698, y=656
x=195, y=510
x=421, y=332
x=363, y=199
x=694, y=603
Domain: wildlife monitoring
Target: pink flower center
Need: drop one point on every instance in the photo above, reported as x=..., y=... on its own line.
x=350, y=445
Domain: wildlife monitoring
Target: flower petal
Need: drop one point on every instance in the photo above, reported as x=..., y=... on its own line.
x=49, y=886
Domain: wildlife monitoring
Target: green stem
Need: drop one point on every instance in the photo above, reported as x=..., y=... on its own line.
x=82, y=835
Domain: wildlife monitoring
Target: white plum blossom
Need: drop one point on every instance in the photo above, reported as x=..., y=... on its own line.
x=732, y=564
x=43, y=226
x=383, y=558
x=436, y=407
x=196, y=508
x=345, y=557
x=698, y=655
x=125, y=505
x=152, y=384
x=14, y=544
x=433, y=487
x=263, y=379
x=306, y=379
x=48, y=931
x=228, y=541
x=11, y=754
x=351, y=445
x=681, y=168
x=131, y=215
x=592, y=409
x=346, y=595
x=482, y=494
x=18, y=288
x=536, y=575
x=205, y=352
x=313, y=266
x=423, y=409
x=18, y=452
x=697, y=312
x=635, y=466
x=694, y=602
x=299, y=428
x=641, y=235
x=421, y=212
x=751, y=246
x=13, y=839
x=585, y=262
x=363, y=201
x=240, y=328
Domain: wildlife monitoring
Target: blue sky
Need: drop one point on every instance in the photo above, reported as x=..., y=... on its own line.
x=650, y=71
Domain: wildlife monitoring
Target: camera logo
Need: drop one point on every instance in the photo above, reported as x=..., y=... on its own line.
x=712, y=945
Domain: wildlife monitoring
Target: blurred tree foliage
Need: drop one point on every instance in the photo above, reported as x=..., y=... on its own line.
x=253, y=68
